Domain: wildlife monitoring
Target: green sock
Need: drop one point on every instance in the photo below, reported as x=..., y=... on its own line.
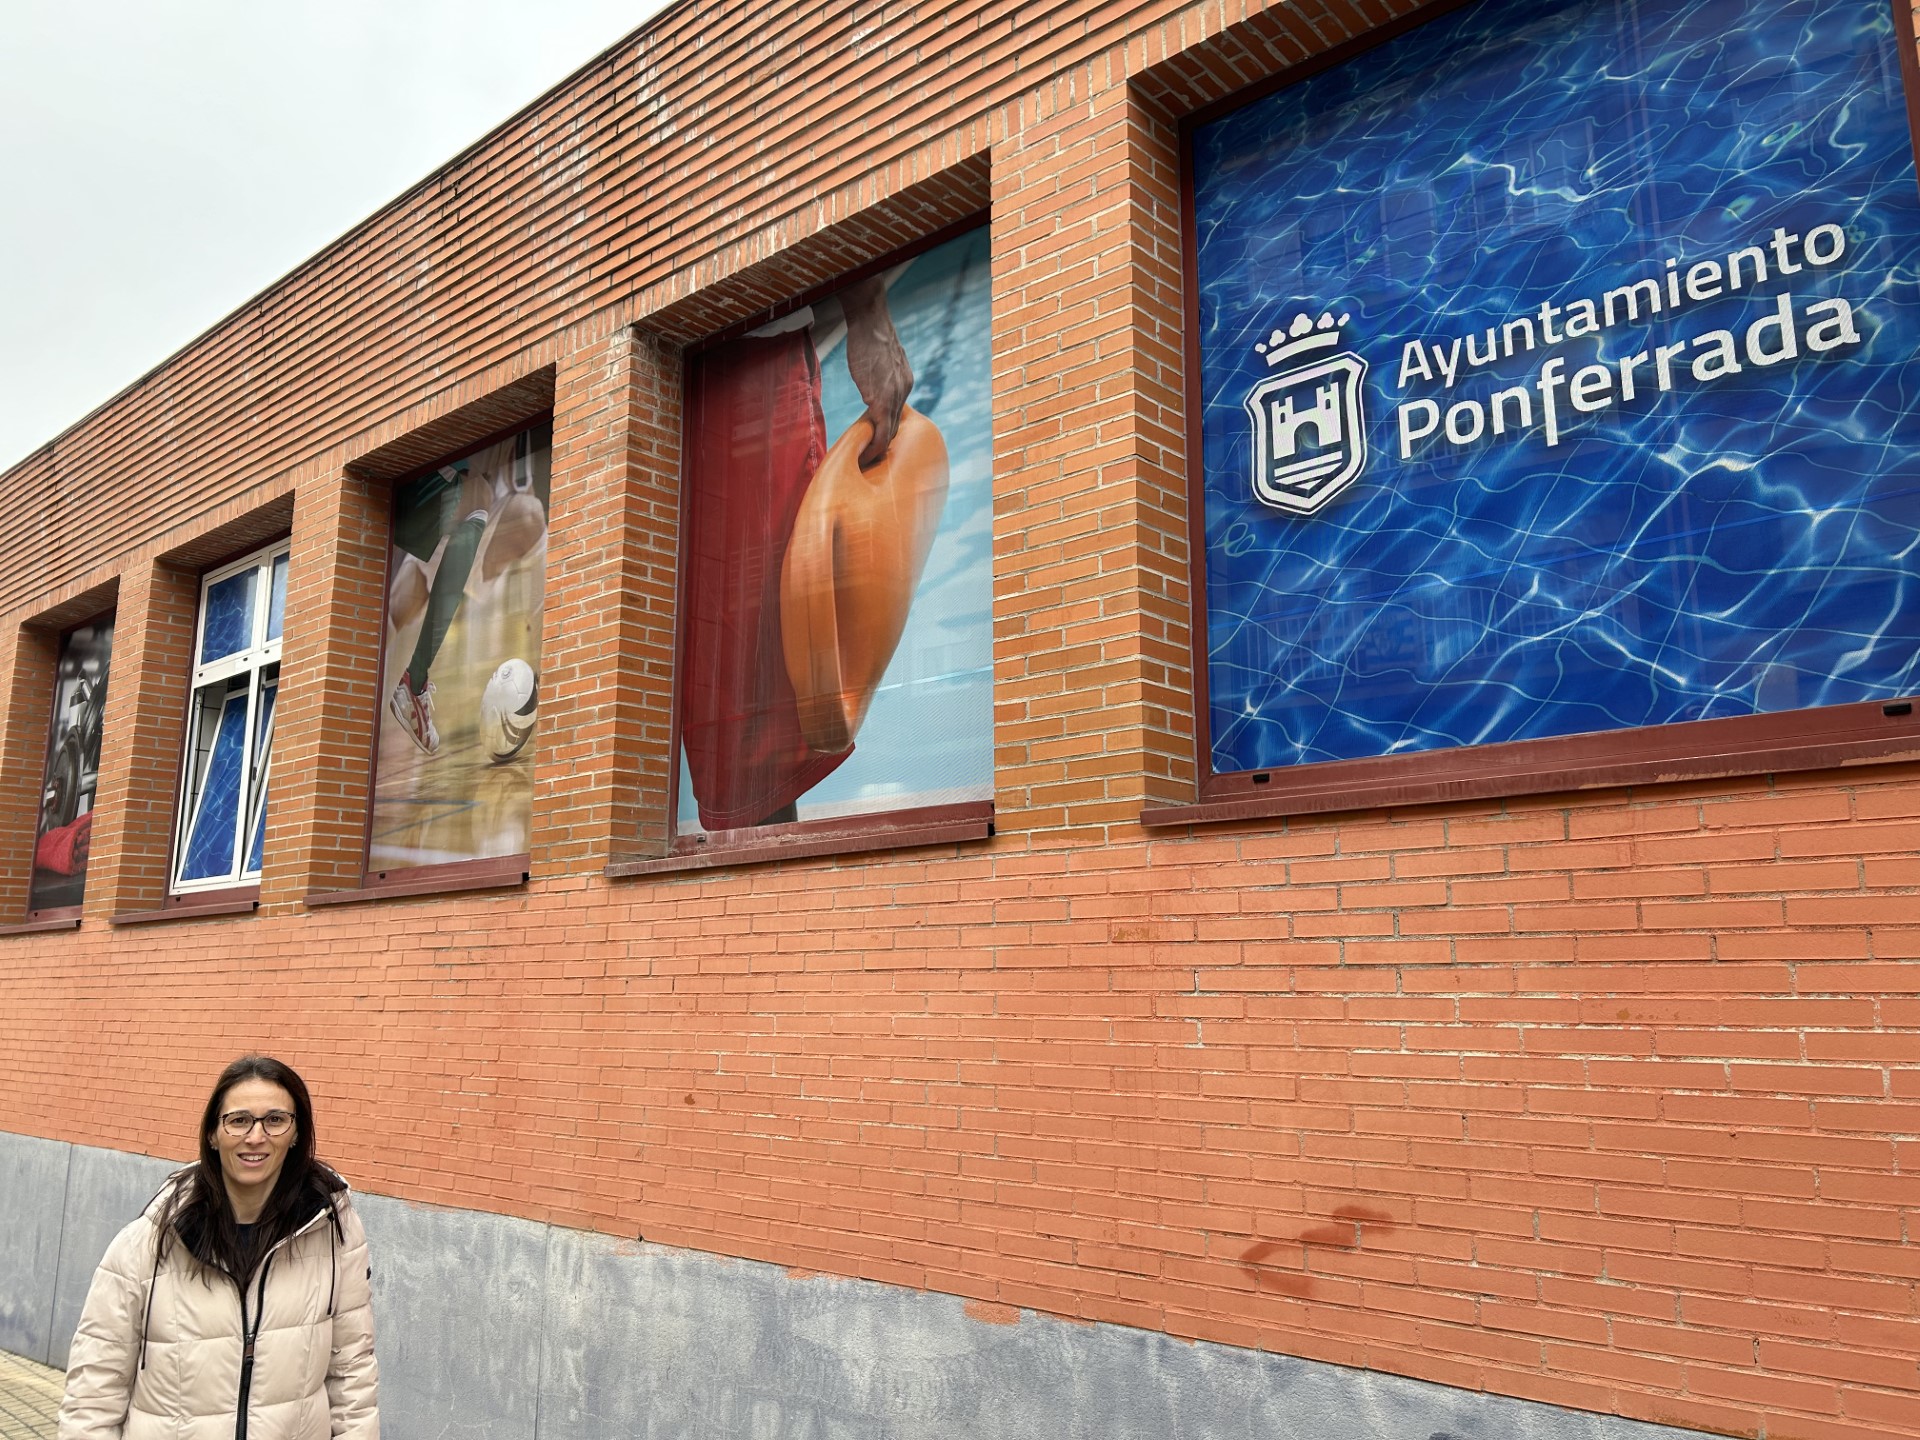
x=443, y=601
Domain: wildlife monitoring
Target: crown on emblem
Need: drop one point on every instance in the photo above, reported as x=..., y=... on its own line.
x=1304, y=334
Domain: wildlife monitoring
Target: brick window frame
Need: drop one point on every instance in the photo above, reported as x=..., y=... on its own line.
x=54, y=638
x=908, y=827
x=488, y=872
x=248, y=663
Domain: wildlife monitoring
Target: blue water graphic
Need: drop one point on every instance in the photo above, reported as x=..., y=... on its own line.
x=1738, y=540
x=209, y=848
x=227, y=627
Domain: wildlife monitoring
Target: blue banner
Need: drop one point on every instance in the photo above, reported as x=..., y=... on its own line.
x=1558, y=374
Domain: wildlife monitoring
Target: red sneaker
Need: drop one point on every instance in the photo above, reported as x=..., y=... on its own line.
x=415, y=713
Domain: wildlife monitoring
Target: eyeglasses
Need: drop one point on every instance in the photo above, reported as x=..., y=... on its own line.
x=239, y=1123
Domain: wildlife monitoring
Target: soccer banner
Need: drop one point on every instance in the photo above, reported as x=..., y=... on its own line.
x=1557, y=371
x=72, y=771
x=460, y=681
x=836, y=639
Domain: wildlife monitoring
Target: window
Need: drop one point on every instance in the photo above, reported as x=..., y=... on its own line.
x=1604, y=459
x=64, y=838
x=835, y=653
x=236, y=679
x=460, y=692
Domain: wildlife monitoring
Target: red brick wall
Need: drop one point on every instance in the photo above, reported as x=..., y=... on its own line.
x=1604, y=1099
x=1608, y=1103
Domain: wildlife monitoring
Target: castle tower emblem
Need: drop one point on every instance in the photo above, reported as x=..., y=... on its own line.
x=1309, y=419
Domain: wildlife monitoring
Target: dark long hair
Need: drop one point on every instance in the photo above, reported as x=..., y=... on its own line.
x=196, y=1210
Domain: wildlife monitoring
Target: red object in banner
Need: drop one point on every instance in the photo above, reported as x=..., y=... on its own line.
x=64, y=850
x=755, y=437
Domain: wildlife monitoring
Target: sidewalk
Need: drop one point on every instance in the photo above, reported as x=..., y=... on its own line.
x=29, y=1398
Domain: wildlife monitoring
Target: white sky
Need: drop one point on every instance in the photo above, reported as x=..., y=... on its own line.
x=162, y=161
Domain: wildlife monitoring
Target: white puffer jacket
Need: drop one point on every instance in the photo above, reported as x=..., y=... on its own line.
x=167, y=1364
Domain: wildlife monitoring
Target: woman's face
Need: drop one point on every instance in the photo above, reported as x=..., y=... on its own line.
x=250, y=1161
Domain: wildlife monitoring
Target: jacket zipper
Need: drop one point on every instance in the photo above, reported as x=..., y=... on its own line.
x=249, y=1333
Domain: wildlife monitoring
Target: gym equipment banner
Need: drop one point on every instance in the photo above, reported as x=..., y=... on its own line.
x=1558, y=375
x=466, y=594
x=836, y=648
x=72, y=771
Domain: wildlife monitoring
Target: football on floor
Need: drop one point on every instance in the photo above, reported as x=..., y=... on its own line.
x=509, y=706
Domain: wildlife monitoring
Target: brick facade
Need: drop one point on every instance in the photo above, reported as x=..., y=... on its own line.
x=1605, y=1099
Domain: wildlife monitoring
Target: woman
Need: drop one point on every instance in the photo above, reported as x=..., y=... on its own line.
x=239, y=1304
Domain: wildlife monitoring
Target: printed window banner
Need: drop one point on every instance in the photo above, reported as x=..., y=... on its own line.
x=461, y=677
x=236, y=681
x=1556, y=369
x=836, y=652
x=72, y=772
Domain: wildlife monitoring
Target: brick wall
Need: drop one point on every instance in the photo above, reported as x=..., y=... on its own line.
x=1605, y=1099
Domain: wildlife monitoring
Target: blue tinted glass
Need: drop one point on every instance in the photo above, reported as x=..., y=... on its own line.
x=262, y=754
x=210, y=841
x=1454, y=230
x=277, y=598
x=227, y=626
x=256, y=852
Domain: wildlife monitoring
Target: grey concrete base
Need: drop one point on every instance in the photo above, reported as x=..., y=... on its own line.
x=63, y=1204
x=33, y=1182
x=501, y=1329
x=105, y=1189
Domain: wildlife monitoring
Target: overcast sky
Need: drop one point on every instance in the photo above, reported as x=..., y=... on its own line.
x=162, y=161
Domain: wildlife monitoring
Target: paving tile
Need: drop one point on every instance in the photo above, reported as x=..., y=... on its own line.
x=29, y=1399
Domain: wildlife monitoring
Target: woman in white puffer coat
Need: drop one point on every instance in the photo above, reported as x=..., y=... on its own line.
x=239, y=1304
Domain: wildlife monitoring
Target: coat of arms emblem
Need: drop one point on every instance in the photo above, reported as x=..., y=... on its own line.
x=1309, y=420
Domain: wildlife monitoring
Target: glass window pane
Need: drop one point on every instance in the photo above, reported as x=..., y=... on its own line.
x=277, y=599
x=1731, y=538
x=257, y=847
x=227, y=626
x=210, y=839
x=837, y=657
x=262, y=758
x=460, y=658
x=72, y=768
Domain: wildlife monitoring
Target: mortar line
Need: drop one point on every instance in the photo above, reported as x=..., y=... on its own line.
x=546, y=1307
x=59, y=1253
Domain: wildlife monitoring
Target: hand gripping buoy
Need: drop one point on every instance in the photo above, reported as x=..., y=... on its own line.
x=859, y=546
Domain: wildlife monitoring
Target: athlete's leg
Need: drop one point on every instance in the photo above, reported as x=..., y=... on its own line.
x=450, y=580
x=408, y=596
x=412, y=698
x=518, y=524
x=443, y=600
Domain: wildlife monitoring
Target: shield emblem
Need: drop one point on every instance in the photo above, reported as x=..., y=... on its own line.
x=1309, y=433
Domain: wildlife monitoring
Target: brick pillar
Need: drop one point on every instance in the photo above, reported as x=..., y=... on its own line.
x=141, y=735
x=1092, y=685
x=329, y=683
x=605, y=773
x=28, y=660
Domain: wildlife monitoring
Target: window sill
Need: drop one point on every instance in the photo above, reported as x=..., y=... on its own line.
x=40, y=925
x=504, y=873
x=193, y=907
x=1819, y=739
x=902, y=830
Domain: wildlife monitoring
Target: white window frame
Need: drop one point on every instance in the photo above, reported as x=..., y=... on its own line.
x=252, y=661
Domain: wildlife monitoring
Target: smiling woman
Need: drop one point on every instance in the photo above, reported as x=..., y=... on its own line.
x=253, y=1139
x=162, y=1350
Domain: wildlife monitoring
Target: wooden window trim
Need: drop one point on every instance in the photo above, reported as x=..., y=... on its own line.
x=851, y=835
x=500, y=872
